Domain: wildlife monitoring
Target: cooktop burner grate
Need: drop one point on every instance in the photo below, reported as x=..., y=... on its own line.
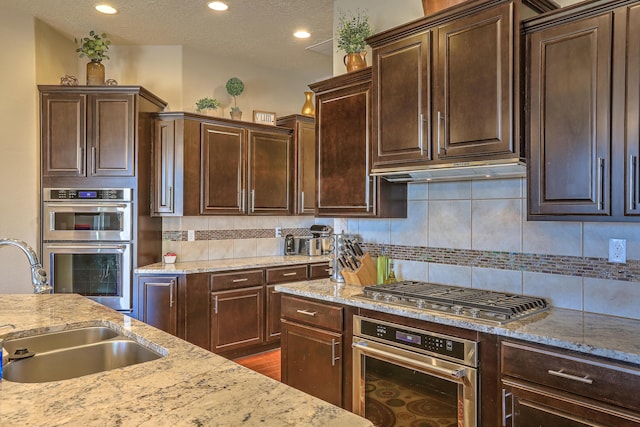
x=498, y=307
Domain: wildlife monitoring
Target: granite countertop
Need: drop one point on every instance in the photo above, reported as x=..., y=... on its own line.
x=189, y=386
x=608, y=336
x=189, y=267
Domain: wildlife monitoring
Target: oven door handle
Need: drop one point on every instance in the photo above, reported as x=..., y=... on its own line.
x=455, y=373
x=75, y=247
x=89, y=205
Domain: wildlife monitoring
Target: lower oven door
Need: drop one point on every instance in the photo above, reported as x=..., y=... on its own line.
x=98, y=271
x=393, y=386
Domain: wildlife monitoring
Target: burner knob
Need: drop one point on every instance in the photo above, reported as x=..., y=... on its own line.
x=457, y=309
x=475, y=312
x=375, y=295
x=388, y=298
x=420, y=303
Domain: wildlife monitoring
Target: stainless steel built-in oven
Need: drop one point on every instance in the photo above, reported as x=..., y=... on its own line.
x=88, y=243
x=408, y=376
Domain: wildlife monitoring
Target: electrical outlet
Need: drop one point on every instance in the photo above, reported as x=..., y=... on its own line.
x=191, y=235
x=618, y=250
x=278, y=231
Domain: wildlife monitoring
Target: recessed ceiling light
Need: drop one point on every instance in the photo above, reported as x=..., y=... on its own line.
x=218, y=6
x=302, y=34
x=105, y=8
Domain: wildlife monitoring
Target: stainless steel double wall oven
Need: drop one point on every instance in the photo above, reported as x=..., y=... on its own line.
x=88, y=243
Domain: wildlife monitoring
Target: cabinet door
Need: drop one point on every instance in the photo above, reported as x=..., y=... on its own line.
x=569, y=121
x=164, y=150
x=273, y=328
x=632, y=201
x=312, y=361
x=111, y=129
x=473, y=102
x=402, y=96
x=344, y=184
x=223, y=170
x=306, y=167
x=64, y=134
x=237, y=318
x=270, y=173
x=157, y=302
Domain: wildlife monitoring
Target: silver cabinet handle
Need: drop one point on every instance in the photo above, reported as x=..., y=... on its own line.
x=93, y=157
x=562, y=374
x=440, y=118
x=507, y=410
x=421, y=134
x=242, y=200
x=172, y=286
x=215, y=304
x=633, y=179
x=290, y=274
x=302, y=201
x=170, y=200
x=334, y=358
x=244, y=279
x=253, y=200
x=307, y=313
x=600, y=186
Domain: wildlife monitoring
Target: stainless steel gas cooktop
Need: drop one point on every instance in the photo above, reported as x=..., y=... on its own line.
x=490, y=306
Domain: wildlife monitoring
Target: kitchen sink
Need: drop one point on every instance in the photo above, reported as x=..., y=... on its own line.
x=71, y=354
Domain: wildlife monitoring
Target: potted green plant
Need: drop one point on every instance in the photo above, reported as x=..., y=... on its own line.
x=95, y=48
x=207, y=105
x=353, y=29
x=235, y=87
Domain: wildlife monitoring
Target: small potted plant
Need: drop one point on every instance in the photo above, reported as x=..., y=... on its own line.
x=353, y=29
x=169, y=258
x=235, y=87
x=95, y=48
x=207, y=105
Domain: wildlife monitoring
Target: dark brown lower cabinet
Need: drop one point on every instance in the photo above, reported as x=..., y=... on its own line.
x=237, y=318
x=312, y=361
x=273, y=303
x=159, y=302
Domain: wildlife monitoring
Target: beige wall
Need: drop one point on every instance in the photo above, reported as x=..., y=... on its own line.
x=19, y=155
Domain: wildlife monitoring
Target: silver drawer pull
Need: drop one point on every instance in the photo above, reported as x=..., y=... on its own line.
x=244, y=279
x=290, y=274
x=561, y=374
x=307, y=313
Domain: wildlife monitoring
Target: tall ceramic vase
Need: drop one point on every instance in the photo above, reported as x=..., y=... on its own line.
x=95, y=73
x=308, y=109
x=355, y=61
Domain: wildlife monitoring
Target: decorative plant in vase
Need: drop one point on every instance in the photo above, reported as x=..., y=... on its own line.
x=95, y=48
x=353, y=29
x=207, y=105
x=235, y=87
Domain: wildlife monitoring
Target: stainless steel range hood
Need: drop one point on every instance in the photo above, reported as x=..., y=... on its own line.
x=464, y=171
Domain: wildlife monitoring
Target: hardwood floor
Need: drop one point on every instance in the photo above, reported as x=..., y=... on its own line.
x=267, y=363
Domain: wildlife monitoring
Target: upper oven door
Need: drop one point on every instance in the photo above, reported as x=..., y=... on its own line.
x=392, y=385
x=101, y=221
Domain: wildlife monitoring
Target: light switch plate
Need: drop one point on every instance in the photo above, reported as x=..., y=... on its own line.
x=618, y=250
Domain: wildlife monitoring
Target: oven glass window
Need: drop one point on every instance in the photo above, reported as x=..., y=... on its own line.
x=399, y=396
x=88, y=274
x=91, y=221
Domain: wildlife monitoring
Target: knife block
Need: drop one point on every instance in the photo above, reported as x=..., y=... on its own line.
x=364, y=275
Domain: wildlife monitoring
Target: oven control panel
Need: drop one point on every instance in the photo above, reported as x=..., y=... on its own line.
x=424, y=341
x=91, y=194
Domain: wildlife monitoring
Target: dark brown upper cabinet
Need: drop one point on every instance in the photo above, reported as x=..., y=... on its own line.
x=304, y=139
x=582, y=91
x=446, y=88
x=91, y=132
x=206, y=166
x=343, y=129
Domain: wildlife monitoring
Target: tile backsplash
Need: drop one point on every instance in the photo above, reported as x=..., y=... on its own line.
x=466, y=233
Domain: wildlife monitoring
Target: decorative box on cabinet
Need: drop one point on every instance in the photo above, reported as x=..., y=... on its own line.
x=343, y=128
x=583, y=108
x=304, y=138
x=566, y=388
x=243, y=168
x=445, y=89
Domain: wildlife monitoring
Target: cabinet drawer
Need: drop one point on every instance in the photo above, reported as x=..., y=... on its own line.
x=286, y=274
x=320, y=270
x=313, y=313
x=236, y=279
x=607, y=381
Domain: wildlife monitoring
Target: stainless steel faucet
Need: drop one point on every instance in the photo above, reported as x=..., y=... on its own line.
x=38, y=275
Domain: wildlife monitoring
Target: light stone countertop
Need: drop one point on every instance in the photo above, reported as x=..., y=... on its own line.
x=608, y=336
x=189, y=267
x=189, y=386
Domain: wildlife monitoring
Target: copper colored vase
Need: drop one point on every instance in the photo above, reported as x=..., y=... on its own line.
x=355, y=61
x=95, y=73
x=308, y=109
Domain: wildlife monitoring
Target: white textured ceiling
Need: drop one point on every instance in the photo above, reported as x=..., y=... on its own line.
x=257, y=31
